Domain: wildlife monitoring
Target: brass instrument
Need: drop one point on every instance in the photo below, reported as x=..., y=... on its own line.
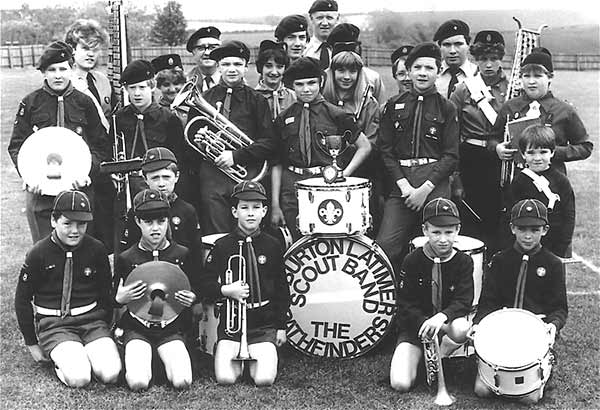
x=236, y=311
x=526, y=40
x=221, y=134
x=435, y=371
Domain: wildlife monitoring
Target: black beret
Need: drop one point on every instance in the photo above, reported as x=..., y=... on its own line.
x=166, y=61
x=323, y=5
x=424, y=50
x=137, y=71
x=401, y=51
x=271, y=45
x=353, y=46
x=203, y=32
x=451, y=28
x=56, y=52
x=232, y=48
x=541, y=50
x=490, y=37
x=541, y=58
x=290, y=24
x=343, y=33
x=304, y=67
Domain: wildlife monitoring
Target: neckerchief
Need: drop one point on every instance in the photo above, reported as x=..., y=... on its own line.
x=276, y=94
x=172, y=197
x=436, y=276
x=65, y=301
x=522, y=278
x=60, y=97
x=252, y=276
x=139, y=130
x=324, y=59
x=304, y=132
x=155, y=252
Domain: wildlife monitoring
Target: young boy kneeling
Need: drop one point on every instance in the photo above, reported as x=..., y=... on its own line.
x=264, y=293
x=140, y=337
x=436, y=292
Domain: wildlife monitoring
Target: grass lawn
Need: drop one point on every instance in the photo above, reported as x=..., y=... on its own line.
x=307, y=383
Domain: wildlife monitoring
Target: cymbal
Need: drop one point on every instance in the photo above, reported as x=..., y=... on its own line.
x=163, y=280
x=52, y=158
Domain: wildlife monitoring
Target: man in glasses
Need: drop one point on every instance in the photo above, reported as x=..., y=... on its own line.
x=200, y=44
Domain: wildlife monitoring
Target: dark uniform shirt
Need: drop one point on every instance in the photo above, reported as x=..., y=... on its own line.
x=273, y=283
x=415, y=288
x=561, y=218
x=41, y=280
x=438, y=134
x=181, y=112
x=545, y=290
x=251, y=114
x=572, y=140
x=38, y=110
x=324, y=119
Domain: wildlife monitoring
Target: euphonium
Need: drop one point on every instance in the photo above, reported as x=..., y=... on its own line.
x=236, y=311
x=435, y=371
x=221, y=134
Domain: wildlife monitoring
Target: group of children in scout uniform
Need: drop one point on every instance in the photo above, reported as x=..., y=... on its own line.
x=418, y=141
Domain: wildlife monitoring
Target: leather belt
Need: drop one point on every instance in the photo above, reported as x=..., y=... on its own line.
x=257, y=304
x=161, y=324
x=413, y=162
x=40, y=310
x=312, y=171
x=476, y=142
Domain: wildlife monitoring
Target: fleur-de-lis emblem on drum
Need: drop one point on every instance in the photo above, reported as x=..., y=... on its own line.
x=330, y=212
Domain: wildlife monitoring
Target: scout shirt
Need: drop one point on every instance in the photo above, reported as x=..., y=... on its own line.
x=415, y=288
x=271, y=273
x=38, y=110
x=278, y=99
x=438, y=135
x=41, y=280
x=545, y=290
x=572, y=140
x=324, y=119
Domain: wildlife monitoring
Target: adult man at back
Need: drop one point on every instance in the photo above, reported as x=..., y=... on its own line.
x=324, y=16
x=200, y=44
x=453, y=38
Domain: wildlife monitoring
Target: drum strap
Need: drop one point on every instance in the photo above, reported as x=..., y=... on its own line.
x=521, y=280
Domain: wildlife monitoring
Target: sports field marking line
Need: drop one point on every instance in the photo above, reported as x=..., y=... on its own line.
x=587, y=263
x=584, y=293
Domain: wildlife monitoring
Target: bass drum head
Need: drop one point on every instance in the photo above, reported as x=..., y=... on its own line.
x=53, y=158
x=343, y=295
x=511, y=338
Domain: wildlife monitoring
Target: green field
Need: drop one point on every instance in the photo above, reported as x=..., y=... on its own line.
x=305, y=383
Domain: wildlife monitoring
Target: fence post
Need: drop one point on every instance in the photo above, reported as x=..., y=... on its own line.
x=9, y=58
x=21, y=56
x=32, y=55
x=577, y=63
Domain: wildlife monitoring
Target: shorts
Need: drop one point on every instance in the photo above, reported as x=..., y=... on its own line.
x=85, y=328
x=258, y=335
x=408, y=336
x=155, y=337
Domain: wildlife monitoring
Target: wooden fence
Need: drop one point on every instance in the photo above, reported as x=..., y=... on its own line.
x=27, y=56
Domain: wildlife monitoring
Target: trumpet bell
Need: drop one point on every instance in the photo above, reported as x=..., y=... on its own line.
x=52, y=158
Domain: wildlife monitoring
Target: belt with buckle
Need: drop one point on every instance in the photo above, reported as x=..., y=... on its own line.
x=257, y=304
x=40, y=310
x=413, y=162
x=151, y=324
x=312, y=171
x=476, y=142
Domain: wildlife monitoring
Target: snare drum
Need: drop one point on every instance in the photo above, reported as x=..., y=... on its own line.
x=513, y=347
x=472, y=247
x=343, y=295
x=338, y=208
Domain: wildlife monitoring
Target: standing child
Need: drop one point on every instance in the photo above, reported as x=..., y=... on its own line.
x=529, y=269
x=541, y=181
x=436, y=292
x=67, y=277
x=141, y=337
x=265, y=294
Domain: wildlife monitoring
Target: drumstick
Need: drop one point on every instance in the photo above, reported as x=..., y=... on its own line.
x=471, y=210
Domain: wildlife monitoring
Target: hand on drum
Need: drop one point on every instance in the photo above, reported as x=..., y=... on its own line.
x=236, y=290
x=280, y=337
x=81, y=183
x=551, y=332
x=504, y=152
x=131, y=292
x=277, y=218
x=432, y=326
x=225, y=159
x=416, y=199
x=471, y=332
x=36, y=190
x=405, y=187
x=185, y=297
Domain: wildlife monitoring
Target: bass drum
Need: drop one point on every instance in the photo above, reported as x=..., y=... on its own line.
x=343, y=295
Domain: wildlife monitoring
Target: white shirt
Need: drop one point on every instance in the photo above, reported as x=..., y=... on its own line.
x=468, y=69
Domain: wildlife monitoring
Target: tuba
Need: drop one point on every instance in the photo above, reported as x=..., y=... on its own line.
x=527, y=40
x=221, y=134
x=435, y=371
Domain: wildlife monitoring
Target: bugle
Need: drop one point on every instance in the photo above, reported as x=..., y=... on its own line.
x=435, y=371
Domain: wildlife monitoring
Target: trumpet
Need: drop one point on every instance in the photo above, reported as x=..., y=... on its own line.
x=236, y=311
x=435, y=371
x=220, y=135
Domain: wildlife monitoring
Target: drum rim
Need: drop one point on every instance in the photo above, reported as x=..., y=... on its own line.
x=223, y=234
x=473, y=251
x=307, y=239
x=499, y=391
x=330, y=188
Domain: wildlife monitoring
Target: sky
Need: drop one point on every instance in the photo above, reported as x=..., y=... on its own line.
x=257, y=8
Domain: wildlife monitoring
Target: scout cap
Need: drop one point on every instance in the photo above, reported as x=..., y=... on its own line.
x=441, y=212
x=304, y=67
x=150, y=204
x=136, y=72
x=290, y=24
x=451, y=28
x=56, y=52
x=232, y=48
x=323, y=5
x=202, y=32
x=166, y=61
x=529, y=212
x=74, y=205
x=249, y=191
x=157, y=158
x=424, y=50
